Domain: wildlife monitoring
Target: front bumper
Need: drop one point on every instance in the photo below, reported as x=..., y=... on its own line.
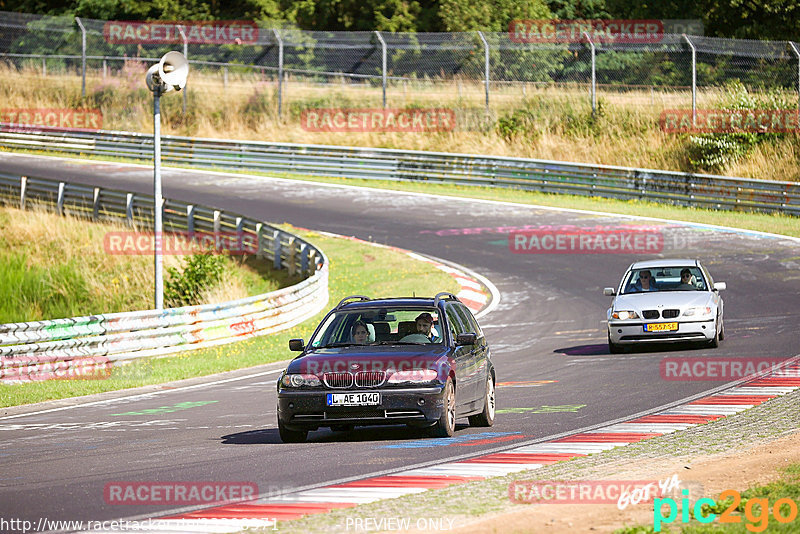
x=307, y=409
x=628, y=332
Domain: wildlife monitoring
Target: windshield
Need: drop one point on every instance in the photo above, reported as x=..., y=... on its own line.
x=379, y=326
x=680, y=278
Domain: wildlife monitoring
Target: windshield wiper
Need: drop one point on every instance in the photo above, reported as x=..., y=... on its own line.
x=402, y=343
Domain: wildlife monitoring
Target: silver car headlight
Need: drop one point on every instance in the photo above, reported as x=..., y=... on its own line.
x=697, y=311
x=299, y=380
x=624, y=315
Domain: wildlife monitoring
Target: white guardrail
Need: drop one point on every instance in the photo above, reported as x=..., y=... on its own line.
x=89, y=346
x=698, y=190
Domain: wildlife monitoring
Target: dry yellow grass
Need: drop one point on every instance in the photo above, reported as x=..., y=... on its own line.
x=626, y=132
x=59, y=265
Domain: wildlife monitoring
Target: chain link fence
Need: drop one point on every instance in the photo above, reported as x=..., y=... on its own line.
x=481, y=68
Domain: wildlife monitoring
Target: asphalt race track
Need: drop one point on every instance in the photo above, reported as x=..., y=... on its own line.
x=548, y=331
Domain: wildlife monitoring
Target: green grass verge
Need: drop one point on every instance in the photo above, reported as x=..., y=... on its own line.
x=755, y=511
x=355, y=268
x=764, y=222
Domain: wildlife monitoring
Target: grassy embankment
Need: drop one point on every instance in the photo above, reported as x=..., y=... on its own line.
x=546, y=123
x=53, y=267
x=57, y=267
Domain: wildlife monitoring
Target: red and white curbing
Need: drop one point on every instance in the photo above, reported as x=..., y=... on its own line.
x=261, y=512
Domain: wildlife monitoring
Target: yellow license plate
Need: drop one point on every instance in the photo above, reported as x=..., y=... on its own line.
x=660, y=327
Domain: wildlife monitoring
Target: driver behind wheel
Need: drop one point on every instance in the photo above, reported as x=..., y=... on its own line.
x=425, y=327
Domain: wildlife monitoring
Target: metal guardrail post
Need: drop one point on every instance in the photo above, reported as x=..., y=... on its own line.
x=383, y=65
x=486, y=68
x=190, y=218
x=797, y=53
x=280, y=71
x=276, y=249
x=260, y=241
x=23, y=190
x=60, y=198
x=83, y=56
x=594, y=74
x=303, y=258
x=694, y=79
x=96, y=203
x=129, y=208
x=186, y=55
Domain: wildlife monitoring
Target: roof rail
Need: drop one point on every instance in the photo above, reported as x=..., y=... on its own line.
x=351, y=297
x=444, y=295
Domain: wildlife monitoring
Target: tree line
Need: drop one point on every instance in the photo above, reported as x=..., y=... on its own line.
x=750, y=19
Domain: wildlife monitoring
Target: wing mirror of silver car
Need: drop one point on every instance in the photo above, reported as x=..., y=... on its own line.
x=297, y=345
x=466, y=339
x=609, y=291
x=719, y=286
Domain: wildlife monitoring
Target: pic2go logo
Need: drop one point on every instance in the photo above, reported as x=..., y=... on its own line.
x=758, y=520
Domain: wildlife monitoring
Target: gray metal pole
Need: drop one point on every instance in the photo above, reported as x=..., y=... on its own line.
x=157, y=225
x=186, y=55
x=594, y=74
x=383, y=65
x=486, y=68
x=83, y=56
x=694, y=79
x=280, y=71
x=797, y=53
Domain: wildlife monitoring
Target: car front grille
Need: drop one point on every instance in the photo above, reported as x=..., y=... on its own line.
x=670, y=314
x=650, y=314
x=338, y=380
x=346, y=379
x=368, y=379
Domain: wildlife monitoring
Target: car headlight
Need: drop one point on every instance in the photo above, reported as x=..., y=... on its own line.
x=413, y=375
x=298, y=380
x=697, y=311
x=624, y=315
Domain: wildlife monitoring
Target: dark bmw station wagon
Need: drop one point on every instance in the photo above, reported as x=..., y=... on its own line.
x=423, y=362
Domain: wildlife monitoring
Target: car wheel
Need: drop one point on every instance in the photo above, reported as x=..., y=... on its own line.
x=714, y=343
x=614, y=348
x=486, y=417
x=446, y=425
x=291, y=436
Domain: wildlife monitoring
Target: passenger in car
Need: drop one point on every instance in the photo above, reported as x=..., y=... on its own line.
x=360, y=334
x=425, y=327
x=646, y=282
x=688, y=282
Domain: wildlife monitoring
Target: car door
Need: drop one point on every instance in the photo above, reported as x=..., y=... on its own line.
x=465, y=387
x=479, y=356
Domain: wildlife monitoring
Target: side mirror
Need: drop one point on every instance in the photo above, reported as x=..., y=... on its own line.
x=297, y=345
x=466, y=339
x=719, y=286
x=609, y=291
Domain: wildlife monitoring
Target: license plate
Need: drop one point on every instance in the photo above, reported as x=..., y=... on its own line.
x=354, y=399
x=660, y=327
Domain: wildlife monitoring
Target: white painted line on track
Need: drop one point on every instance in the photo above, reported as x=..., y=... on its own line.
x=159, y=392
